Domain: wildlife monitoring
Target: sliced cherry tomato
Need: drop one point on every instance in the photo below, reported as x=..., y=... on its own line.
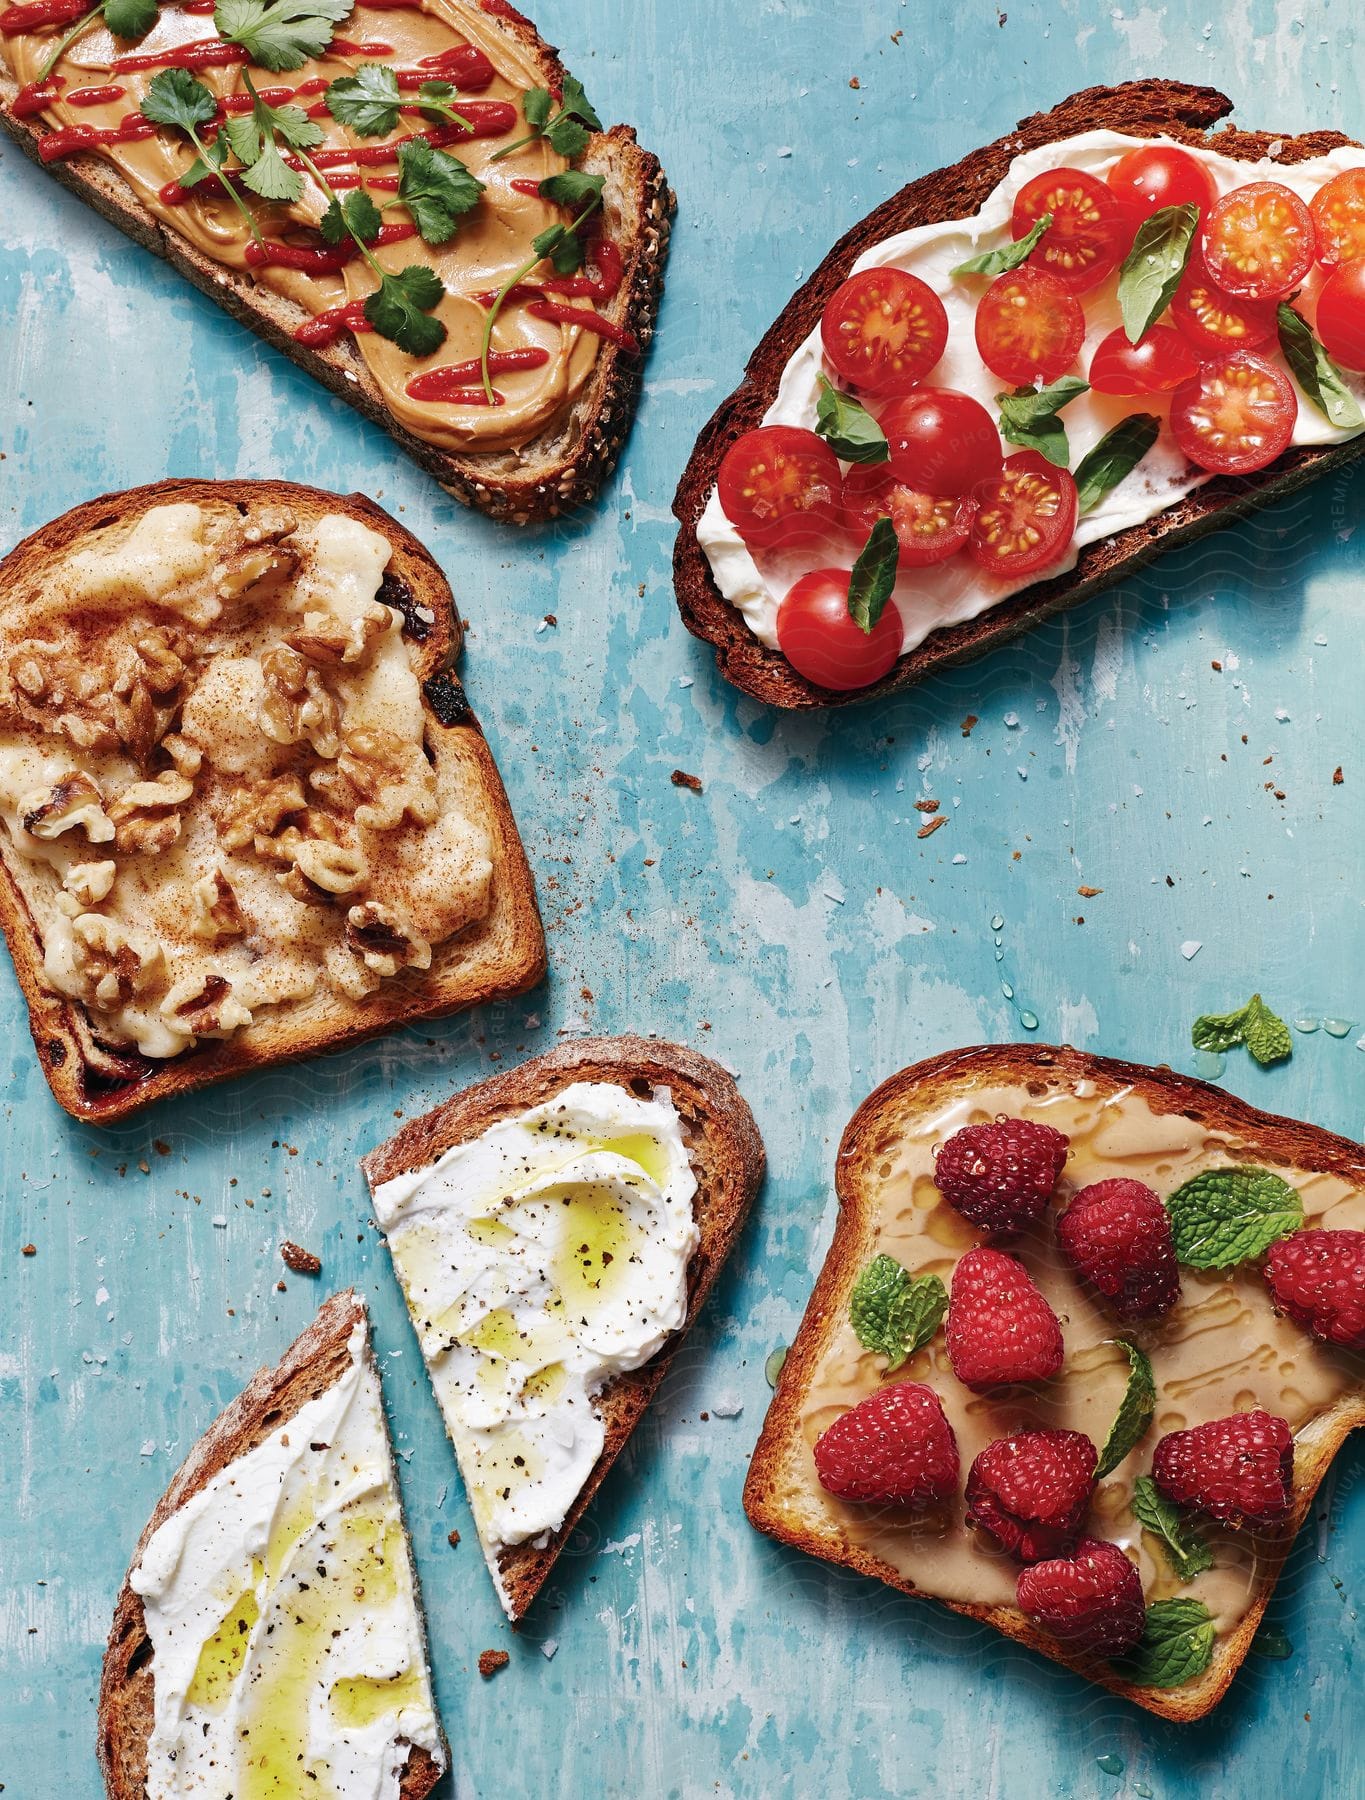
x=1213, y=321
x=1029, y=326
x=1341, y=314
x=1158, y=175
x=883, y=330
x=1158, y=362
x=1259, y=241
x=1236, y=415
x=821, y=641
x=1025, y=517
x=930, y=526
x=1338, y=211
x=781, y=486
x=1088, y=235
x=942, y=441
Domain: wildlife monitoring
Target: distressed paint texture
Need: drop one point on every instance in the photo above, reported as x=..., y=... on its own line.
x=787, y=919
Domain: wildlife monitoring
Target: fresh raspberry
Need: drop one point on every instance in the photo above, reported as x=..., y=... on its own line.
x=1318, y=1279
x=1000, y=1176
x=1000, y=1328
x=1240, y=1469
x=1117, y=1234
x=1091, y=1601
x=894, y=1446
x=1031, y=1490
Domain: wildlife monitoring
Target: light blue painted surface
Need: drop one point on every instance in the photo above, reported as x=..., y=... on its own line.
x=790, y=906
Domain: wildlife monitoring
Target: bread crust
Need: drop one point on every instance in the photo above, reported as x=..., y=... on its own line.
x=311, y=1365
x=1139, y=108
x=922, y=1087
x=501, y=955
x=563, y=468
x=727, y=1157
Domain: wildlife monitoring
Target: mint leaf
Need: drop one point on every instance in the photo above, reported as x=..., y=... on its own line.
x=873, y=575
x=1007, y=257
x=1116, y=455
x=355, y=216
x=131, y=18
x=1134, y=1414
x=1176, y=1646
x=1226, y=1216
x=1272, y=1641
x=368, y=101
x=895, y=1313
x=1315, y=372
x=437, y=189
x=283, y=35
x=1152, y=269
x=1028, y=417
x=400, y=309
x=848, y=428
x=1220, y=1032
x=174, y=97
x=1267, y=1035
x=1184, y=1549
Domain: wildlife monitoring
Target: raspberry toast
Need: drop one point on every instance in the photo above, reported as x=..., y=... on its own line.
x=1233, y=1409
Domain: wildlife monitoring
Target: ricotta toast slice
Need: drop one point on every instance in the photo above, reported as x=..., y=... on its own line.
x=268, y=1639
x=1220, y=1350
x=556, y=1231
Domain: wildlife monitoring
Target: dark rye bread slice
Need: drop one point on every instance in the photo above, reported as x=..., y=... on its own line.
x=498, y=956
x=311, y=1365
x=727, y=1157
x=556, y=472
x=1141, y=109
x=779, y=1496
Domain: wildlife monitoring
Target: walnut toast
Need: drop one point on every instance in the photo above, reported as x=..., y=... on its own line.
x=360, y=1532
x=719, y=1155
x=550, y=435
x=1138, y=109
x=1220, y=1341
x=248, y=812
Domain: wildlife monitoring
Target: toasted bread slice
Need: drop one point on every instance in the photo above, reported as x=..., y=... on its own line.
x=726, y=1155
x=499, y=951
x=314, y=1363
x=1148, y=108
x=564, y=466
x=1144, y=1123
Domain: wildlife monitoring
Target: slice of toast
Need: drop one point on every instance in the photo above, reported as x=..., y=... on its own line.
x=49, y=633
x=1147, y=108
x=726, y=1154
x=324, y=1355
x=1146, y=1123
x=565, y=464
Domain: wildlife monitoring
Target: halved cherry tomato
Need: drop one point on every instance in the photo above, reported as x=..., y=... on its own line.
x=1088, y=235
x=1029, y=326
x=1341, y=314
x=821, y=641
x=1236, y=415
x=883, y=330
x=781, y=486
x=1158, y=362
x=1158, y=175
x=1338, y=211
x=1025, y=517
x=930, y=526
x=1259, y=241
x=1213, y=321
x=942, y=441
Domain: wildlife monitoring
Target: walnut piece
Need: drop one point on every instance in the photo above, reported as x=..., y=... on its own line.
x=257, y=554
x=296, y=704
x=257, y=812
x=215, y=913
x=74, y=802
x=324, y=638
x=322, y=871
x=146, y=811
x=205, y=1005
x=381, y=780
x=383, y=942
x=89, y=883
x=102, y=963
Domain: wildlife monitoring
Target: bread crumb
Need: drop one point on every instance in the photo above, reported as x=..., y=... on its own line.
x=854, y=82
x=1088, y=893
x=967, y=724
x=1217, y=667
x=680, y=778
x=1337, y=776
x=929, y=806
x=301, y=1261
x=550, y=619
x=29, y=1250
x=453, y=1538
x=490, y=1661
x=930, y=826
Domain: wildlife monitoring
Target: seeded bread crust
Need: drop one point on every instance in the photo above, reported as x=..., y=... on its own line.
x=727, y=1157
x=1139, y=108
x=555, y=473
x=779, y=1497
x=500, y=955
x=310, y=1366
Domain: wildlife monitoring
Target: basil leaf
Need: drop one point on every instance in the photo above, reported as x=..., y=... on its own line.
x=1176, y=1646
x=1226, y=1216
x=1117, y=454
x=894, y=1312
x=1007, y=257
x=874, y=575
x=1152, y=269
x=1184, y=1549
x=1267, y=1035
x=1134, y=1414
x=848, y=428
x=1315, y=372
x=1028, y=417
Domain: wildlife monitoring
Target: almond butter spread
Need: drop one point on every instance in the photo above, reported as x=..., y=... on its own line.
x=1221, y=1349
x=217, y=801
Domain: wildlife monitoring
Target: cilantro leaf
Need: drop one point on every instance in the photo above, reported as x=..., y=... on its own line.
x=1315, y=372
x=437, y=100
x=1152, y=269
x=1176, y=1646
x=848, y=428
x=1116, y=455
x=174, y=97
x=131, y=18
x=895, y=1313
x=255, y=139
x=567, y=138
x=1223, y=1217
x=207, y=166
x=574, y=102
x=284, y=34
x=567, y=132
x=537, y=106
x=368, y=101
x=572, y=188
x=400, y=309
x=1007, y=257
x=1134, y=1414
x=1028, y=417
x=1184, y=1549
x=1263, y=1032
x=436, y=188
x=356, y=216
x=873, y=575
